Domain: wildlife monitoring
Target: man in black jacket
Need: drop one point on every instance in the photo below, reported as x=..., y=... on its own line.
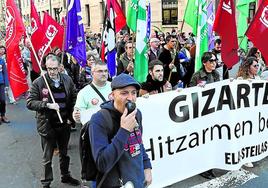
x=154, y=50
x=155, y=82
x=49, y=127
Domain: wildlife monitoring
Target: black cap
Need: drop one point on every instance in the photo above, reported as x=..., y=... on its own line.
x=124, y=80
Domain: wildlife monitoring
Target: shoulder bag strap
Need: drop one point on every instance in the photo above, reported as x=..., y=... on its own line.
x=110, y=127
x=98, y=92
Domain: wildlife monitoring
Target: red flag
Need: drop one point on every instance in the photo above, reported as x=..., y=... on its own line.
x=14, y=32
x=120, y=19
x=53, y=35
x=259, y=2
x=258, y=29
x=225, y=26
x=37, y=34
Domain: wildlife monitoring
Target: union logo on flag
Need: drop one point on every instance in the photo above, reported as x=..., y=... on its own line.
x=264, y=16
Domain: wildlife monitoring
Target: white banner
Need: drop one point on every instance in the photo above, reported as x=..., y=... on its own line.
x=223, y=125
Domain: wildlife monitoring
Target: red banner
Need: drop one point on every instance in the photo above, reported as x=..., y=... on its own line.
x=14, y=32
x=258, y=29
x=37, y=34
x=225, y=26
x=53, y=35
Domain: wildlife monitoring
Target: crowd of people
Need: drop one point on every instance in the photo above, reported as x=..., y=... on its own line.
x=76, y=90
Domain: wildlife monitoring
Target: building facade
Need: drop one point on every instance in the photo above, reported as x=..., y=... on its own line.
x=166, y=14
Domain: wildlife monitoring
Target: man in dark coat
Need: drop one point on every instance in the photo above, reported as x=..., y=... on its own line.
x=50, y=128
x=154, y=51
x=171, y=66
x=155, y=82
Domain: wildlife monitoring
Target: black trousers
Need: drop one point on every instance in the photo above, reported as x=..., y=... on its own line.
x=61, y=138
x=2, y=100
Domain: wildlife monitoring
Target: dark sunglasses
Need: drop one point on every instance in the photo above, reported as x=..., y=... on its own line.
x=256, y=65
x=212, y=60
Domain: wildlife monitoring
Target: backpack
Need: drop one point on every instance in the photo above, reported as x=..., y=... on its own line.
x=89, y=170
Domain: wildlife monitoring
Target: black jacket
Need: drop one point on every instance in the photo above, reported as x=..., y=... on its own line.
x=166, y=58
x=151, y=55
x=153, y=85
x=39, y=97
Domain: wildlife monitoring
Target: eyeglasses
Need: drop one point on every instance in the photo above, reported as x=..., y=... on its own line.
x=256, y=65
x=52, y=68
x=212, y=60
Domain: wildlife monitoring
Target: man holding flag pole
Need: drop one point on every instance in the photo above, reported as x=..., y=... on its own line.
x=53, y=127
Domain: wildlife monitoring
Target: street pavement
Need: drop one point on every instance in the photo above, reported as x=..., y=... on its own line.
x=20, y=159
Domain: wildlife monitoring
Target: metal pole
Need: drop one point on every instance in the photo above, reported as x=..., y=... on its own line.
x=50, y=7
x=19, y=4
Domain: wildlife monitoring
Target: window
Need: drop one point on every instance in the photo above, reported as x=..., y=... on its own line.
x=169, y=12
x=252, y=8
x=123, y=6
x=102, y=7
x=88, y=15
x=56, y=14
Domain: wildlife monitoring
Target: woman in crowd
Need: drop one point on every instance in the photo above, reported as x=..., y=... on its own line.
x=207, y=74
x=254, y=52
x=249, y=69
x=85, y=75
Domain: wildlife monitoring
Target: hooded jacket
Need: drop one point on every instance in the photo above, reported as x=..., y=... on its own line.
x=123, y=156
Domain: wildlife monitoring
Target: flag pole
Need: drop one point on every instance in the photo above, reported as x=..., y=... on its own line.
x=133, y=54
x=182, y=25
x=134, y=36
x=103, y=30
x=43, y=75
x=64, y=33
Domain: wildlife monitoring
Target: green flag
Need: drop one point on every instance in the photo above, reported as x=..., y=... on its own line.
x=132, y=15
x=141, y=61
x=191, y=15
x=243, y=8
x=202, y=34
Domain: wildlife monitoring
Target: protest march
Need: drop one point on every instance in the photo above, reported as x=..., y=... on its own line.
x=152, y=106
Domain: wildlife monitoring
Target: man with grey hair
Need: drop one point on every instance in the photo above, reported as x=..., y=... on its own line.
x=154, y=51
x=49, y=126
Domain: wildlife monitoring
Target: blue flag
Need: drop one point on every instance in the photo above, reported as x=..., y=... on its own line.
x=210, y=21
x=109, y=43
x=75, y=36
x=148, y=21
x=114, y=22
